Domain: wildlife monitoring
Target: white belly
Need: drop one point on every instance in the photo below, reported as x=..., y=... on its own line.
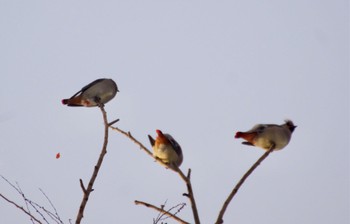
x=265, y=140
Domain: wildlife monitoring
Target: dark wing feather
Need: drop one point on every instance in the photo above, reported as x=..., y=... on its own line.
x=87, y=87
x=174, y=144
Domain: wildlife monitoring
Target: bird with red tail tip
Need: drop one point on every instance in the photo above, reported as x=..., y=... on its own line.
x=166, y=148
x=94, y=94
x=267, y=135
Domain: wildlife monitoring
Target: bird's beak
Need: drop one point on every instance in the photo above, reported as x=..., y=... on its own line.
x=292, y=128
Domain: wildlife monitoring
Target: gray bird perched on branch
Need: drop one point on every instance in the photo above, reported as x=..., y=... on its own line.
x=166, y=148
x=98, y=92
x=265, y=135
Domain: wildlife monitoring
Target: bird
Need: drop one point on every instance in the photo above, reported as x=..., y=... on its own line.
x=166, y=148
x=268, y=135
x=94, y=94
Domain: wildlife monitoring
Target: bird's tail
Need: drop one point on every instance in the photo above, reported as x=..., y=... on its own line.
x=75, y=101
x=151, y=140
x=65, y=101
x=245, y=135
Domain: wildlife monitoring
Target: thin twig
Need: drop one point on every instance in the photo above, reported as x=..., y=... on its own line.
x=38, y=208
x=239, y=184
x=179, y=208
x=187, y=179
x=163, y=216
x=97, y=167
x=128, y=135
x=34, y=205
x=160, y=213
x=50, y=214
x=82, y=186
x=21, y=208
x=18, y=188
x=113, y=122
x=54, y=208
x=11, y=184
x=161, y=210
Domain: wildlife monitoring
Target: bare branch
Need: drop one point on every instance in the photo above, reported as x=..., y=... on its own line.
x=82, y=186
x=144, y=148
x=21, y=208
x=239, y=184
x=161, y=210
x=18, y=188
x=190, y=195
x=113, y=122
x=11, y=184
x=38, y=208
x=33, y=204
x=97, y=167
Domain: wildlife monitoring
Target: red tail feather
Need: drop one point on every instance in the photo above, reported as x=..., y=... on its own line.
x=76, y=101
x=64, y=101
x=249, y=136
x=238, y=135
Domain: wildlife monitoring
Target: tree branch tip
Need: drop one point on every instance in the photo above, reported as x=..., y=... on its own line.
x=113, y=122
x=189, y=173
x=82, y=186
x=240, y=183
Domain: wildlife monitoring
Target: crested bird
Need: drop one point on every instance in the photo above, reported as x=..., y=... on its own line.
x=268, y=135
x=94, y=94
x=166, y=148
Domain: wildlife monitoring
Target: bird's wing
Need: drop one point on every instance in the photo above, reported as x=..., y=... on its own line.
x=174, y=144
x=87, y=87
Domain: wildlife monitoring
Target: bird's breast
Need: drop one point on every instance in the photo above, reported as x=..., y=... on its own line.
x=165, y=152
x=278, y=137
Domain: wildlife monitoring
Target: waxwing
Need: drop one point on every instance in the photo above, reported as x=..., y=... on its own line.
x=98, y=92
x=265, y=135
x=166, y=148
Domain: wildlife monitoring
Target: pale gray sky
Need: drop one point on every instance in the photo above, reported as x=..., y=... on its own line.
x=200, y=70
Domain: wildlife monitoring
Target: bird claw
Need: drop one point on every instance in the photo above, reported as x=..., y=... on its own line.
x=97, y=100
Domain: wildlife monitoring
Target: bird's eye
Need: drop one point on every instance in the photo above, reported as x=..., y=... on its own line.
x=260, y=129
